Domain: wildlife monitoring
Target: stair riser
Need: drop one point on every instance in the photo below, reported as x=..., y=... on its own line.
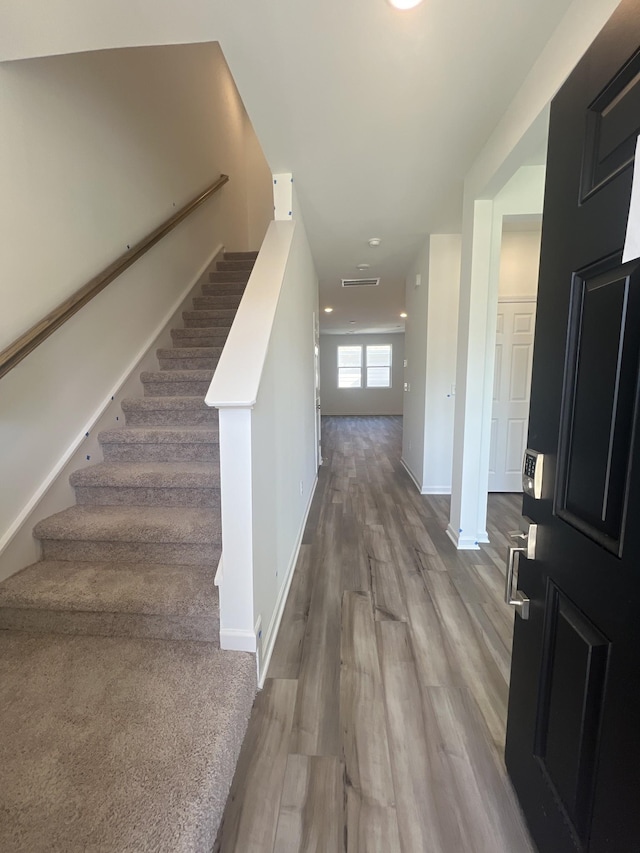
x=144, y=626
x=234, y=265
x=129, y=552
x=187, y=342
x=179, y=417
x=216, y=313
x=176, y=389
x=230, y=275
x=224, y=289
x=124, y=496
x=160, y=452
x=188, y=363
x=213, y=351
x=216, y=302
x=240, y=256
x=205, y=320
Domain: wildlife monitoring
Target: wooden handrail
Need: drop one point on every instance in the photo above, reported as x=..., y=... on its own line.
x=33, y=337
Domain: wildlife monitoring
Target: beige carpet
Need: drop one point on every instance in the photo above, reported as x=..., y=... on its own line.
x=110, y=745
x=120, y=718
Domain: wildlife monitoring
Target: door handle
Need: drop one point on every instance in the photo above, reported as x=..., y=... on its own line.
x=527, y=538
x=511, y=596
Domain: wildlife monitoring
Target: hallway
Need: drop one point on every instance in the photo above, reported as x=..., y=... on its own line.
x=381, y=724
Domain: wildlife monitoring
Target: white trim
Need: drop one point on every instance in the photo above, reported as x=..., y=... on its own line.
x=24, y=515
x=236, y=382
x=257, y=630
x=219, y=576
x=426, y=490
x=238, y=640
x=411, y=474
x=269, y=640
x=517, y=299
x=462, y=543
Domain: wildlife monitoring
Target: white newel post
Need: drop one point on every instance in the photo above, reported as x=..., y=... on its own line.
x=235, y=581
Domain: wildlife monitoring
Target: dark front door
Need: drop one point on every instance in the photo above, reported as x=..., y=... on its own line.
x=573, y=732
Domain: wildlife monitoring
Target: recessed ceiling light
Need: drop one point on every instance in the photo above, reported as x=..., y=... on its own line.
x=328, y=310
x=405, y=4
x=374, y=242
x=352, y=322
x=363, y=267
x=403, y=315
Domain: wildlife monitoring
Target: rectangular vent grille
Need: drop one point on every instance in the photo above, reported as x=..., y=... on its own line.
x=360, y=282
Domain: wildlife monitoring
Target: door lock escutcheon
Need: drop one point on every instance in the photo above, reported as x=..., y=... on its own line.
x=525, y=544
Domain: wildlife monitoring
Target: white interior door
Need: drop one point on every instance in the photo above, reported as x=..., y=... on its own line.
x=511, y=388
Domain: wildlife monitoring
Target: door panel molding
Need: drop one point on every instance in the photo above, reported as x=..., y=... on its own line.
x=600, y=401
x=612, y=128
x=571, y=699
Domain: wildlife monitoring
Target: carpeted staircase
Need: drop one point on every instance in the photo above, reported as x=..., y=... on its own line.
x=121, y=718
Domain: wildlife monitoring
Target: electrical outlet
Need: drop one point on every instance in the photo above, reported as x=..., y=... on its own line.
x=406, y=362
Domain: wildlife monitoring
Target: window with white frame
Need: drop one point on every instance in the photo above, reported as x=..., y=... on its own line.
x=364, y=366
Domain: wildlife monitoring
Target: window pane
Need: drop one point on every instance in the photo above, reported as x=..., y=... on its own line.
x=378, y=377
x=379, y=356
x=349, y=377
x=349, y=356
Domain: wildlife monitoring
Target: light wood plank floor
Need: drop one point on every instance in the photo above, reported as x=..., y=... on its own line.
x=381, y=725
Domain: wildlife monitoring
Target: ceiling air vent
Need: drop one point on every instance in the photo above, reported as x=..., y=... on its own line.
x=360, y=282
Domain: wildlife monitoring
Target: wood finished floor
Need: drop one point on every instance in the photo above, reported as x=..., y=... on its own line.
x=381, y=725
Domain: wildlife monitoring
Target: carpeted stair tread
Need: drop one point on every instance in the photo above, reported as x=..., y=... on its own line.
x=183, y=404
x=143, y=475
x=137, y=524
x=176, y=375
x=240, y=256
x=206, y=319
x=229, y=288
x=168, y=411
x=196, y=434
x=117, y=744
x=194, y=352
x=230, y=275
x=213, y=312
x=112, y=587
x=236, y=265
x=217, y=332
x=219, y=300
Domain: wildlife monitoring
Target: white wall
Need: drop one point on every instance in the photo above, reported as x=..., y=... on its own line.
x=519, y=263
x=430, y=349
x=517, y=137
x=283, y=441
x=415, y=353
x=444, y=287
x=360, y=401
x=264, y=386
x=95, y=151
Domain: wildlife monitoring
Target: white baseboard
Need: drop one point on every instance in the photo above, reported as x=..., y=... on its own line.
x=411, y=474
x=269, y=640
x=436, y=490
x=237, y=640
x=18, y=548
x=462, y=543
